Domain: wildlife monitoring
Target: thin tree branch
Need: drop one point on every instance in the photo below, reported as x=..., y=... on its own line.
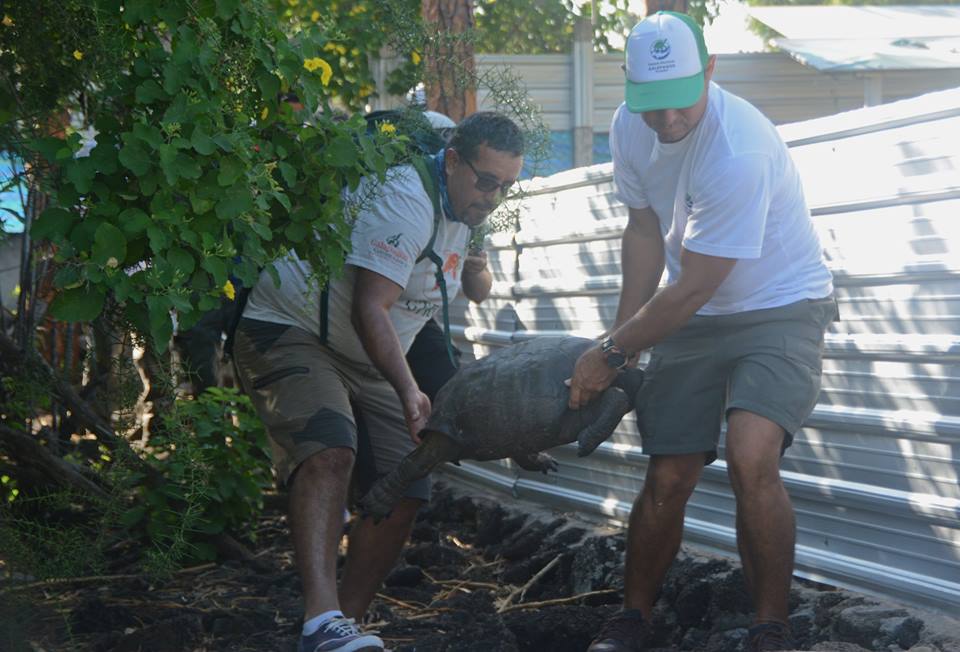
x=54, y=468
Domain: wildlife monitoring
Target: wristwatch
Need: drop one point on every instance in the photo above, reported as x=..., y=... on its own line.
x=616, y=359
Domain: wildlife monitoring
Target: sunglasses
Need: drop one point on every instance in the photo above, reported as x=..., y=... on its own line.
x=487, y=182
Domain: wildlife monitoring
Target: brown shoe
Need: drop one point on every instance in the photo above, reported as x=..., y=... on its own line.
x=626, y=631
x=769, y=636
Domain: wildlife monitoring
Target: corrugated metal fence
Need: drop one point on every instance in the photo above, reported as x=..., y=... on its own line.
x=783, y=89
x=875, y=473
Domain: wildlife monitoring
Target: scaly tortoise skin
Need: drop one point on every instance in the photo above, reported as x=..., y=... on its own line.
x=512, y=403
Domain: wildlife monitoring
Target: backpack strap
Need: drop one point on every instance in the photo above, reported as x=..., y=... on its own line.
x=240, y=303
x=429, y=177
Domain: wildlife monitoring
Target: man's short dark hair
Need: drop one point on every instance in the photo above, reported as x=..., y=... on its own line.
x=489, y=128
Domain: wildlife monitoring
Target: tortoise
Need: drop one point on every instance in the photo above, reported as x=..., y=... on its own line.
x=512, y=403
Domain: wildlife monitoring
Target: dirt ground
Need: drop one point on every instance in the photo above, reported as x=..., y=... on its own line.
x=476, y=577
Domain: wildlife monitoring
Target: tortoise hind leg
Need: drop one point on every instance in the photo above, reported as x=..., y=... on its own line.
x=435, y=449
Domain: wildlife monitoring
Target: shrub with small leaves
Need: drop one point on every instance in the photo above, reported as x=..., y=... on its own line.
x=212, y=453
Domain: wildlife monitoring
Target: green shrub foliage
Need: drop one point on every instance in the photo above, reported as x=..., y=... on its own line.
x=212, y=453
x=198, y=173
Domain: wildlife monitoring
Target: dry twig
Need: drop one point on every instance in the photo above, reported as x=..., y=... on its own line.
x=521, y=591
x=96, y=578
x=556, y=601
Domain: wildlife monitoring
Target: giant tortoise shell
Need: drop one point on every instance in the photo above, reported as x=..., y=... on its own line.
x=512, y=403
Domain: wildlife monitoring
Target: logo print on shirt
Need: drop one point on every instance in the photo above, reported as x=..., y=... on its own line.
x=450, y=266
x=688, y=203
x=660, y=49
x=389, y=250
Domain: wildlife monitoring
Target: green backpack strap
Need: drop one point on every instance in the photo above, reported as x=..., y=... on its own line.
x=427, y=170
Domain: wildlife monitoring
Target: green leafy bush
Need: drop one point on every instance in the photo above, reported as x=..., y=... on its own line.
x=212, y=454
x=199, y=173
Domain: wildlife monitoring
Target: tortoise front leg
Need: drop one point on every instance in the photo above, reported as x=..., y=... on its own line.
x=609, y=408
x=435, y=449
x=536, y=462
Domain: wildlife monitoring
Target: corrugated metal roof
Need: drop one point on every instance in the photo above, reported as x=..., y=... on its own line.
x=904, y=53
x=837, y=22
x=886, y=38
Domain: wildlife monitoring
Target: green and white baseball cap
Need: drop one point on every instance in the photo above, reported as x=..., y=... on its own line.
x=666, y=57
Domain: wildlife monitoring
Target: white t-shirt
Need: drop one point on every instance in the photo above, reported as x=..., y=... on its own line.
x=392, y=228
x=728, y=189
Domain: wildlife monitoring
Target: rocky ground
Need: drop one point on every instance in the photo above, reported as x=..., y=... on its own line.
x=477, y=577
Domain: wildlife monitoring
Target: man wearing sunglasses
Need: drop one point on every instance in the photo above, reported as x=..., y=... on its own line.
x=306, y=362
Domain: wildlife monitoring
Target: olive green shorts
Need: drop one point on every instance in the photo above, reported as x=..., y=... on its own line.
x=305, y=395
x=767, y=362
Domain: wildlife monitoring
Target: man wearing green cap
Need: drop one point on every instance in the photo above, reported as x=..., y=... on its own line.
x=737, y=331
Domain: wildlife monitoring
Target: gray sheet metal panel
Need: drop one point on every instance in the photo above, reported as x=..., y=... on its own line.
x=874, y=475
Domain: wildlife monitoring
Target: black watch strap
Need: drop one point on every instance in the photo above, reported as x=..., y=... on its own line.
x=614, y=356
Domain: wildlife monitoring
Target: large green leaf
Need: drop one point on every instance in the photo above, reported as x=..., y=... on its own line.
x=109, y=245
x=148, y=134
x=341, y=152
x=230, y=170
x=161, y=327
x=47, y=147
x=80, y=173
x=78, y=304
x=175, y=76
x=181, y=260
x=133, y=221
x=135, y=158
x=149, y=92
x=235, y=203
x=202, y=142
x=188, y=167
x=217, y=269
x=53, y=224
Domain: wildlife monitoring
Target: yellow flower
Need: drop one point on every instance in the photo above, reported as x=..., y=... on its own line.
x=229, y=291
x=387, y=129
x=7, y=21
x=264, y=113
x=330, y=47
x=315, y=16
x=357, y=10
x=415, y=57
x=326, y=72
x=78, y=55
x=366, y=90
x=293, y=3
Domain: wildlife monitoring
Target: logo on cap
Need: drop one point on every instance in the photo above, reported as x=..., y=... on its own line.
x=660, y=49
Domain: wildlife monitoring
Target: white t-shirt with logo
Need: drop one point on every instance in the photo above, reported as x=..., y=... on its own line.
x=728, y=189
x=392, y=228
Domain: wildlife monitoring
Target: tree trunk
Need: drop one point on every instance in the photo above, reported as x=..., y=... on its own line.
x=653, y=6
x=449, y=66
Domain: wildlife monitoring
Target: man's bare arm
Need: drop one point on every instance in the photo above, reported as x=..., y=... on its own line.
x=642, y=261
x=674, y=305
x=477, y=279
x=373, y=295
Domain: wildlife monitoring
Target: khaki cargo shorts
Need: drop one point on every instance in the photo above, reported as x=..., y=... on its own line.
x=767, y=362
x=305, y=395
